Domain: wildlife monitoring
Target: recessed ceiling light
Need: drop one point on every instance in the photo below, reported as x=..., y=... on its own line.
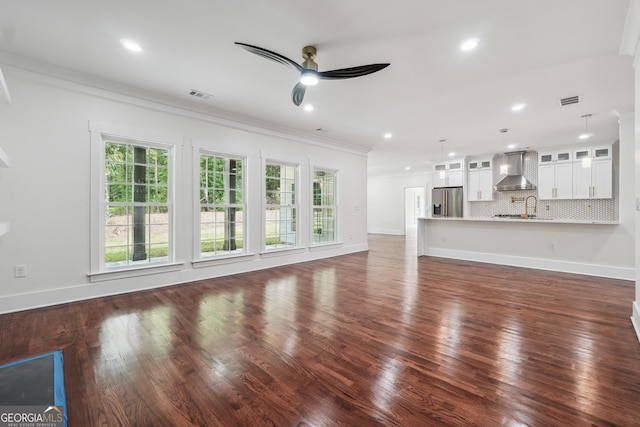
x=308, y=107
x=451, y=154
x=469, y=44
x=585, y=136
x=407, y=168
x=131, y=45
x=388, y=135
x=511, y=146
x=518, y=107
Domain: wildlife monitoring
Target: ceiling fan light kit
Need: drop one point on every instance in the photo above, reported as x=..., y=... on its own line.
x=309, y=78
x=309, y=74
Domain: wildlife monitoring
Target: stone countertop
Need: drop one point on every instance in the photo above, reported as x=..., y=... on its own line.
x=520, y=220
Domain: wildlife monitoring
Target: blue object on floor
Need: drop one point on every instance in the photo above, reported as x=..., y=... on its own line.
x=34, y=381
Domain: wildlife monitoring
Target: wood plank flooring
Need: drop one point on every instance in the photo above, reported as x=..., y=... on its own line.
x=370, y=339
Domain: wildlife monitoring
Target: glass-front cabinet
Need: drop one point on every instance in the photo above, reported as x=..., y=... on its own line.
x=556, y=156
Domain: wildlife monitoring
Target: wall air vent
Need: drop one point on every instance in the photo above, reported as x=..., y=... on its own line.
x=575, y=99
x=199, y=94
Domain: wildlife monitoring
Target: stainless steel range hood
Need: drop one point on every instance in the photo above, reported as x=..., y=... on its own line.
x=514, y=180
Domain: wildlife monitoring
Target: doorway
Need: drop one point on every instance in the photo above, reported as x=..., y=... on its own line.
x=414, y=208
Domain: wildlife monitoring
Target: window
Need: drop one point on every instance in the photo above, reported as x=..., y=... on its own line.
x=222, y=206
x=280, y=229
x=136, y=205
x=324, y=206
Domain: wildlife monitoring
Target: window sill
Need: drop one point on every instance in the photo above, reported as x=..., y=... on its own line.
x=282, y=252
x=134, y=272
x=324, y=246
x=220, y=260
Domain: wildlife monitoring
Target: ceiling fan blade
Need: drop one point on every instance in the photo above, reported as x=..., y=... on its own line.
x=297, y=94
x=265, y=53
x=347, y=73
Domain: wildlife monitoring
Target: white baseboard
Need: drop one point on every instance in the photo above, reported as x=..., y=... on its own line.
x=85, y=291
x=635, y=318
x=387, y=231
x=537, y=263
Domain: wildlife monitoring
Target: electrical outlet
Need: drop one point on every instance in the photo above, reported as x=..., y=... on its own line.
x=20, y=270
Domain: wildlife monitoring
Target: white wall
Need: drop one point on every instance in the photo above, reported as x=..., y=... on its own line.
x=385, y=201
x=45, y=195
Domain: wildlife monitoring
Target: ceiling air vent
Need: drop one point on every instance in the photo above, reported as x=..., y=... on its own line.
x=320, y=130
x=199, y=94
x=570, y=100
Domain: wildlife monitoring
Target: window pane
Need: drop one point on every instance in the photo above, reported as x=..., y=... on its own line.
x=135, y=231
x=221, y=208
x=324, y=210
x=116, y=172
x=280, y=226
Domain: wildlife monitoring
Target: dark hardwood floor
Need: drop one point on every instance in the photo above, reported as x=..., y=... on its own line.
x=379, y=338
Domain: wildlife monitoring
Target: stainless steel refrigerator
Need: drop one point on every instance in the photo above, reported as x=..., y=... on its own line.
x=447, y=202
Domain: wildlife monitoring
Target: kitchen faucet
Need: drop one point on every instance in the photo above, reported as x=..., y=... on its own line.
x=525, y=215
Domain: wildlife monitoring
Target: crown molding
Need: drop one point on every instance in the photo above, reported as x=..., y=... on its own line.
x=27, y=69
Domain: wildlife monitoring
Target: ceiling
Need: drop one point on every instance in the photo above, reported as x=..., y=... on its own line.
x=532, y=52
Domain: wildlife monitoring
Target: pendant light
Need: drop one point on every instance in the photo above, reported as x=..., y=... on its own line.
x=586, y=134
x=443, y=171
x=586, y=161
x=504, y=168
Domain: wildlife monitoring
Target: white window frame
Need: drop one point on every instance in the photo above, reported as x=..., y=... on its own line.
x=334, y=206
x=101, y=133
x=296, y=206
x=198, y=220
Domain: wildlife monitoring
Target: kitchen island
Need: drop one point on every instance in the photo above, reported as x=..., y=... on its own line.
x=574, y=246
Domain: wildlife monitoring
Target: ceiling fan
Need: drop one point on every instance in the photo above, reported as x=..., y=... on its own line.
x=309, y=74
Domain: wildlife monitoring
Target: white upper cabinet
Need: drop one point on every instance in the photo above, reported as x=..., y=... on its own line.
x=480, y=180
x=593, y=173
x=576, y=173
x=593, y=180
x=555, y=176
x=449, y=174
x=555, y=181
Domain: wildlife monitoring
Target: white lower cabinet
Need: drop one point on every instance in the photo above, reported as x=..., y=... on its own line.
x=593, y=179
x=480, y=186
x=555, y=181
